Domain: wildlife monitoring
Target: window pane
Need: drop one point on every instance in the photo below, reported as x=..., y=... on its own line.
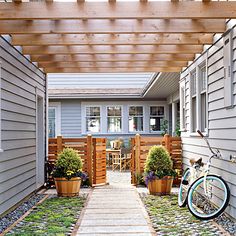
x=155, y=123
x=51, y=122
x=93, y=124
x=114, y=111
x=194, y=114
x=157, y=111
x=203, y=78
x=114, y=124
x=135, y=124
x=203, y=112
x=193, y=82
x=135, y=111
x=92, y=111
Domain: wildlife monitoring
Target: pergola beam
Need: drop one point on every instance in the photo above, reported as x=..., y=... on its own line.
x=127, y=49
x=112, y=58
x=148, y=26
x=118, y=10
x=111, y=64
x=111, y=70
x=111, y=39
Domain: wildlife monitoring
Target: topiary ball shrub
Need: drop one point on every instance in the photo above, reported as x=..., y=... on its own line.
x=68, y=164
x=158, y=164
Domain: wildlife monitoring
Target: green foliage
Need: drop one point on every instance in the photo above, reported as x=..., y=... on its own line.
x=68, y=164
x=177, y=129
x=164, y=127
x=159, y=163
x=54, y=216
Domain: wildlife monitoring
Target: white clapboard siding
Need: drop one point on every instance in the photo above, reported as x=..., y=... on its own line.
x=221, y=121
x=19, y=81
x=71, y=118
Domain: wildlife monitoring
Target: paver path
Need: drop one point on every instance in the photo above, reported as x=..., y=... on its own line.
x=115, y=210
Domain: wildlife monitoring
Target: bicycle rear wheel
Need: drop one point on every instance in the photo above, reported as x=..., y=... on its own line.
x=183, y=189
x=209, y=201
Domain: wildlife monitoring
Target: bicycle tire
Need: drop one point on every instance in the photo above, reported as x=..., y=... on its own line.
x=183, y=202
x=195, y=184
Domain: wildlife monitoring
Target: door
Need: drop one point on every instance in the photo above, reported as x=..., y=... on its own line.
x=40, y=142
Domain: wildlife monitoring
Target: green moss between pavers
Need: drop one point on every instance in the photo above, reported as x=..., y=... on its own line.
x=55, y=216
x=169, y=219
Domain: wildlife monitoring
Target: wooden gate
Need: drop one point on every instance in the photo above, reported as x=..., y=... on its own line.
x=140, y=148
x=92, y=152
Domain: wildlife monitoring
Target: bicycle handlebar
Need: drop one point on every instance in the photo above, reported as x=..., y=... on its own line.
x=200, y=133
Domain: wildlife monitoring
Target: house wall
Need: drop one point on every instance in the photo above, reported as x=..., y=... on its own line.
x=73, y=123
x=221, y=123
x=22, y=84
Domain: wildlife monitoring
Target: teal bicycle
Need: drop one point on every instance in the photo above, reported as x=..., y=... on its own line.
x=206, y=195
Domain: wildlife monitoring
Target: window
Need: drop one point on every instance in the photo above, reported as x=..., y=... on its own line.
x=54, y=119
x=203, y=101
x=183, y=106
x=156, y=116
x=52, y=122
x=114, y=119
x=193, y=83
x=135, y=118
x=93, y=119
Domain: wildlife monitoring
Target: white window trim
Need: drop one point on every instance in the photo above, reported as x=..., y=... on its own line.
x=144, y=119
x=1, y=150
x=202, y=64
x=183, y=105
x=195, y=70
x=149, y=117
x=203, y=60
x=122, y=115
x=57, y=106
x=84, y=124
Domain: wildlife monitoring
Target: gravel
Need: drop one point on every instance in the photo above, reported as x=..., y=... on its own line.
x=228, y=224
x=14, y=215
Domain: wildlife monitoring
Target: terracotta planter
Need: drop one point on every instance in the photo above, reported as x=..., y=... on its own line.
x=161, y=186
x=68, y=188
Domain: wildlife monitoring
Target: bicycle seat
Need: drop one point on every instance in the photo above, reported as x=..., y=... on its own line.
x=196, y=162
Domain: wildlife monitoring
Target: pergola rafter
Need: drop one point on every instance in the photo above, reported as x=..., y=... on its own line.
x=113, y=36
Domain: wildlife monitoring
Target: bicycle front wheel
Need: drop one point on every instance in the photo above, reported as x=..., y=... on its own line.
x=208, y=199
x=183, y=189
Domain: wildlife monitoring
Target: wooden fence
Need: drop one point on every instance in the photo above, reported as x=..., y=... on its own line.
x=92, y=151
x=140, y=147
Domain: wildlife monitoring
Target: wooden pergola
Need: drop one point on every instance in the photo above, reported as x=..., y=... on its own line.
x=155, y=36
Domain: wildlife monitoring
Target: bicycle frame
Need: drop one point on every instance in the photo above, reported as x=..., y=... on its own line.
x=206, y=170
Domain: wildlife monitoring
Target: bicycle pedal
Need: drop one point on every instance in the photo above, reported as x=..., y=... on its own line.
x=185, y=182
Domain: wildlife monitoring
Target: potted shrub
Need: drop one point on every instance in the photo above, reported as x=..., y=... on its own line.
x=68, y=172
x=158, y=171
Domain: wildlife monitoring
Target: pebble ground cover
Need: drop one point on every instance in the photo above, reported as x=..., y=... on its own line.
x=169, y=219
x=55, y=216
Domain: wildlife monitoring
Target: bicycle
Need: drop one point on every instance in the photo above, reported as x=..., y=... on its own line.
x=206, y=195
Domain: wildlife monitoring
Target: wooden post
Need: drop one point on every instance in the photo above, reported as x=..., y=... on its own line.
x=89, y=158
x=94, y=161
x=137, y=154
x=59, y=144
x=167, y=143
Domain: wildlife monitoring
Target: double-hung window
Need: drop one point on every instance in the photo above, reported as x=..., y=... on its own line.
x=114, y=119
x=135, y=118
x=202, y=97
x=183, y=106
x=93, y=117
x=54, y=119
x=156, y=116
x=193, y=84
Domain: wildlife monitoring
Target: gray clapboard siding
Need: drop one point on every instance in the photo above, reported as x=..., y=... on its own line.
x=19, y=81
x=221, y=122
x=71, y=118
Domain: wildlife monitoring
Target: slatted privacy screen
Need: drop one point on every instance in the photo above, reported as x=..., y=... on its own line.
x=140, y=147
x=91, y=150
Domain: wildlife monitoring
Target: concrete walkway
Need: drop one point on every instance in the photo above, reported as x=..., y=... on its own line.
x=115, y=210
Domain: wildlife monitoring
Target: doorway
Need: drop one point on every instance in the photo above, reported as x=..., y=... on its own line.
x=40, y=142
